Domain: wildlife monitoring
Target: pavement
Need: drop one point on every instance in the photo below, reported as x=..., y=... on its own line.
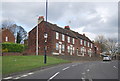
x=77, y=71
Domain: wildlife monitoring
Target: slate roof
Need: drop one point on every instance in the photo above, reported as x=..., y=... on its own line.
x=56, y=28
x=67, y=32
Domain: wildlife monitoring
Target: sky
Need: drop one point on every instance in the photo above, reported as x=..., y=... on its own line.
x=91, y=18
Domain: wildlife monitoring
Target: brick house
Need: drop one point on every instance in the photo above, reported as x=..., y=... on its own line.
x=60, y=41
x=6, y=36
x=97, y=48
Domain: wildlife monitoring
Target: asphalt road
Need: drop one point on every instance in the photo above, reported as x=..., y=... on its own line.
x=82, y=71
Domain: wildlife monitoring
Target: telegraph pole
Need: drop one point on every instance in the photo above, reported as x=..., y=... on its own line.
x=37, y=38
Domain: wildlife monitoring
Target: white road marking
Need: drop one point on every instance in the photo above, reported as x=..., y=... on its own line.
x=17, y=77
x=83, y=73
x=65, y=68
x=88, y=70
x=115, y=67
x=53, y=76
x=74, y=65
x=24, y=75
x=83, y=79
x=8, y=78
x=30, y=73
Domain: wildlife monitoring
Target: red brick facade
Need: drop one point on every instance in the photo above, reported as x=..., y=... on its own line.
x=60, y=41
x=97, y=48
x=6, y=36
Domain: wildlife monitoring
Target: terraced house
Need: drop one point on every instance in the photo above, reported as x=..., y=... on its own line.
x=60, y=41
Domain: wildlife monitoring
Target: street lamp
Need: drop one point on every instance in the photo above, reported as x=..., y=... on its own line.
x=45, y=47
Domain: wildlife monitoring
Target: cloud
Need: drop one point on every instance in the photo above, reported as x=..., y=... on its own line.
x=91, y=18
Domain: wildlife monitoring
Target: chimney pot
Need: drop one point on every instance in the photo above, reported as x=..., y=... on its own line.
x=67, y=27
x=40, y=19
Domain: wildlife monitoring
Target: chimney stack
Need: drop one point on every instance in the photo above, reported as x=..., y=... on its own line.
x=83, y=34
x=67, y=27
x=40, y=19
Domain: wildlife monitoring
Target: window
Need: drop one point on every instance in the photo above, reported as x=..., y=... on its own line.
x=84, y=43
x=81, y=41
x=82, y=49
x=57, y=35
x=97, y=48
x=6, y=38
x=57, y=46
x=73, y=41
x=91, y=45
x=88, y=44
x=68, y=49
x=63, y=47
x=63, y=37
x=68, y=39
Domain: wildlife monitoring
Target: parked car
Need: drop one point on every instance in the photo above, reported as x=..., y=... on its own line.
x=106, y=58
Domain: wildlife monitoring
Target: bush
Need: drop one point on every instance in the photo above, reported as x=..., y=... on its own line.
x=12, y=47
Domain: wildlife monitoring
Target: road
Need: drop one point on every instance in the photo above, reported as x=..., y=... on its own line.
x=81, y=71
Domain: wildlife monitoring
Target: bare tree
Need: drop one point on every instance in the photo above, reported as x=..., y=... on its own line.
x=18, y=31
x=7, y=23
x=109, y=45
x=101, y=40
x=112, y=46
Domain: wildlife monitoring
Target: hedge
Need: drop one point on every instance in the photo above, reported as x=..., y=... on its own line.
x=12, y=47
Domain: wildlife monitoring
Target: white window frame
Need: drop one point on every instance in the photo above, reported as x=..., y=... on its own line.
x=84, y=42
x=91, y=45
x=6, y=39
x=68, y=47
x=88, y=44
x=57, y=46
x=73, y=41
x=81, y=42
x=57, y=35
x=63, y=37
x=63, y=47
x=68, y=39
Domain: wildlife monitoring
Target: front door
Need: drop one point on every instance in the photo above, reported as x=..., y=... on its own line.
x=60, y=49
x=71, y=50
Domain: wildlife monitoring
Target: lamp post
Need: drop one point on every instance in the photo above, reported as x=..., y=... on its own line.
x=45, y=47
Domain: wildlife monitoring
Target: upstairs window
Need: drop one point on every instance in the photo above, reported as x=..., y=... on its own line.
x=68, y=39
x=57, y=35
x=73, y=41
x=63, y=37
x=81, y=41
x=84, y=43
x=88, y=44
x=91, y=45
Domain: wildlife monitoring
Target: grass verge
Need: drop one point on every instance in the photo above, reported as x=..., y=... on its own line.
x=12, y=64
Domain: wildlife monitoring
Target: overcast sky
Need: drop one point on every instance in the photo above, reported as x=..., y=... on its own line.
x=91, y=18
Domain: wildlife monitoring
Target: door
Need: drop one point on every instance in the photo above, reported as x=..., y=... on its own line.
x=60, y=48
x=71, y=50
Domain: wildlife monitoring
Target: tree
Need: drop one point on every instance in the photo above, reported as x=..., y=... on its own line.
x=18, y=31
x=109, y=45
x=101, y=40
x=112, y=46
x=19, y=38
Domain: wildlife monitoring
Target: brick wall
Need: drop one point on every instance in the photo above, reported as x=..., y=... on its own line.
x=12, y=54
x=9, y=35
